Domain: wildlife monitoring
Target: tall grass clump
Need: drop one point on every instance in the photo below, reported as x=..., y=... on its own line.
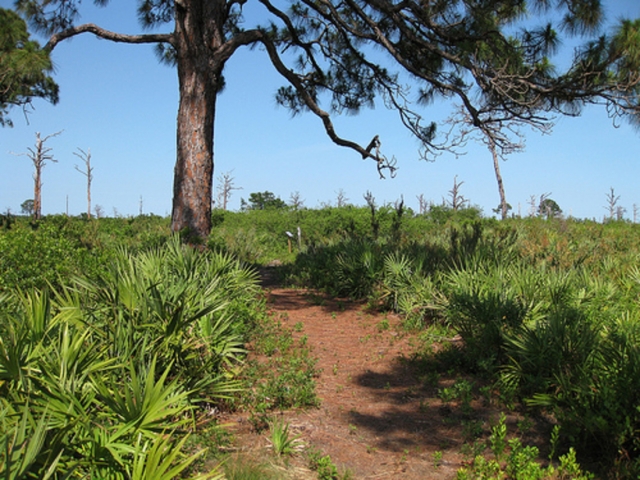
x=108, y=376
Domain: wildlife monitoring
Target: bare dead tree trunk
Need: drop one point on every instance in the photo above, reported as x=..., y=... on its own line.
x=612, y=202
x=39, y=156
x=423, y=205
x=86, y=158
x=532, y=206
x=457, y=200
x=37, y=192
x=226, y=186
x=341, y=198
x=496, y=168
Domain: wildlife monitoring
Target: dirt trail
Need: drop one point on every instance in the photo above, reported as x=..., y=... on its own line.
x=376, y=418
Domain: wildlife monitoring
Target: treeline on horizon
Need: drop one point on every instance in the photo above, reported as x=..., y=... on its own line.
x=34, y=253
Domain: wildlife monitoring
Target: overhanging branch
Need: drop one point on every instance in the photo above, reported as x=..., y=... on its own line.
x=107, y=35
x=372, y=151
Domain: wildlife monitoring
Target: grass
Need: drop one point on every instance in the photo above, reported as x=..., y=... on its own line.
x=281, y=440
x=248, y=468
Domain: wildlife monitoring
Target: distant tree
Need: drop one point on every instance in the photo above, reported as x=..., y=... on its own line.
x=88, y=172
x=533, y=205
x=341, y=198
x=549, y=208
x=501, y=210
x=226, y=185
x=263, y=201
x=612, y=203
x=99, y=211
x=24, y=67
x=456, y=201
x=27, y=207
x=39, y=156
x=502, y=136
x=375, y=222
x=396, y=222
x=296, y=201
x=423, y=204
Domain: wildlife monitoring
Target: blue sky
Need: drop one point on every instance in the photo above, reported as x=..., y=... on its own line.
x=119, y=102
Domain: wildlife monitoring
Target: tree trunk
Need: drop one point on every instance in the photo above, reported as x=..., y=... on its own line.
x=504, y=206
x=37, y=192
x=199, y=78
x=89, y=199
x=38, y=163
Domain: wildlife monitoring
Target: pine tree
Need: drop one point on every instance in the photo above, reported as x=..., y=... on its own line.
x=24, y=67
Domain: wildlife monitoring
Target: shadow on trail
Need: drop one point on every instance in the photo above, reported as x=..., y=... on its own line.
x=413, y=416
x=291, y=299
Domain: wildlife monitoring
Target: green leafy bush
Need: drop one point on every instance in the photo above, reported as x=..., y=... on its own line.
x=105, y=376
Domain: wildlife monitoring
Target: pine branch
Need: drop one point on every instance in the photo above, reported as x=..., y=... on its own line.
x=107, y=35
x=296, y=82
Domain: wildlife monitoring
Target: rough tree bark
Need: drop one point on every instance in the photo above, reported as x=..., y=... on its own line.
x=198, y=77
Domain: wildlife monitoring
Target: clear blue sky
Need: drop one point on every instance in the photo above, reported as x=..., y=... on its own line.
x=119, y=102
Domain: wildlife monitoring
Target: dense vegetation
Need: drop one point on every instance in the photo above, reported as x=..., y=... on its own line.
x=547, y=308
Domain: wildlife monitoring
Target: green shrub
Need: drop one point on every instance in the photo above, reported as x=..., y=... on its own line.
x=103, y=376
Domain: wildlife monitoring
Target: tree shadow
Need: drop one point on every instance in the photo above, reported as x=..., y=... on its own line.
x=404, y=412
x=288, y=299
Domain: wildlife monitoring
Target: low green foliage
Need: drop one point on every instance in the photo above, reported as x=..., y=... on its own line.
x=238, y=468
x=324, y=466
x=547, y=309
x=513, y=460
x=104, y=377
x=49, y=251
x=283, y=377
x=281, y=440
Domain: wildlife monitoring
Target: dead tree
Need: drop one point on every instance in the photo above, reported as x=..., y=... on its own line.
x=225, y=187
x=39, y=156
x=375, y=222
x=612, y=203
x=88, y=172
x=457, y=201
x=423, y=204
x=296, y=201
x=341, y=198
x=532, y=206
